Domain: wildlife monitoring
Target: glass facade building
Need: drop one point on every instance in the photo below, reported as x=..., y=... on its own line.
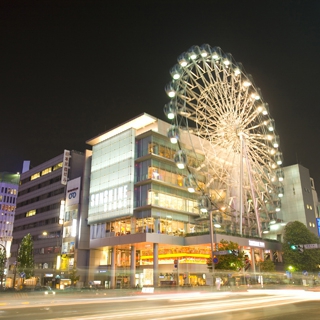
x=145, y=227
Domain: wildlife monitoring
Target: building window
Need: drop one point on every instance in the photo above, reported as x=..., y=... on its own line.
x=35, y=176
x=31, y=213
x=46, y=171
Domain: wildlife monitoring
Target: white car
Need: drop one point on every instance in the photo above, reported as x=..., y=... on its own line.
x=46, y=290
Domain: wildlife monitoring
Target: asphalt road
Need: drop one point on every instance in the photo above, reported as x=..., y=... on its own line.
x=255, y=304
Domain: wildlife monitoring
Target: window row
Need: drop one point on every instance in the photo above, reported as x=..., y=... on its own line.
x=33, y=212
x=42, y=197
x=8, y=199
x=8, y=190
x=37, y=224
x=41, y=173
x=40, y=185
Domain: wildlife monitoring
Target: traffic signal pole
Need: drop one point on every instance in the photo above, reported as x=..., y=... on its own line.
x=212, y=239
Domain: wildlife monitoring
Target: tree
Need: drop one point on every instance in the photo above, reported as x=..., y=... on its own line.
x=3, y=260
x=25, y=259
x=296, y=233
x=73, y=275
x=228, y=261
x=266, y=266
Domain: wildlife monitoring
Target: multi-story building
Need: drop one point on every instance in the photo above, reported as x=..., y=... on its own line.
x=9, y=183
x=300, y=202
x=142, y=218
x=41, y=205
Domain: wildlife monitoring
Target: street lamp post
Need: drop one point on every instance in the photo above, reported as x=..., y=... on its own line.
x=205, y=206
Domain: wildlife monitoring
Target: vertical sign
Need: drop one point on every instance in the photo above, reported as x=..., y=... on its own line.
x=73, y=192
x=318, y=225
x=65, y=167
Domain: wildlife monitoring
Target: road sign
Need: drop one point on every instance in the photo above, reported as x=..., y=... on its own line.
x=311, y=246
x=215, y=260
x=220, y=253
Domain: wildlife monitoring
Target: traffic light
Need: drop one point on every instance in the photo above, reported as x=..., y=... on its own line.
x=176, y=263
x=234, y=252
x=298, y=247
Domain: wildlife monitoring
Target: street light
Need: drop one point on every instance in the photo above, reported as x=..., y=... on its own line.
x=205, y=207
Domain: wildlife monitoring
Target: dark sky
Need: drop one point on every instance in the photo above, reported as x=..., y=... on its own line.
x=73, y=69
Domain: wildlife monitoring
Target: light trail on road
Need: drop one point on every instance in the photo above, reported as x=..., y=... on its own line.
x=183, y=306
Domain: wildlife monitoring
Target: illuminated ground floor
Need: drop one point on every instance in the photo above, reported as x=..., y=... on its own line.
x=153, y=259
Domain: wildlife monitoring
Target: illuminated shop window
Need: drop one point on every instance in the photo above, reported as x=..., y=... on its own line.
x=172, y=202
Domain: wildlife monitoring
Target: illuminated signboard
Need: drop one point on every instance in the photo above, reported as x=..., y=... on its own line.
x=318, y=225
x=73, y=192
x=111, y=199
x=259, y=244
x=65, y=167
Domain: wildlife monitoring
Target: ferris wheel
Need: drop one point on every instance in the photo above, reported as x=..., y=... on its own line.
x=220, y=118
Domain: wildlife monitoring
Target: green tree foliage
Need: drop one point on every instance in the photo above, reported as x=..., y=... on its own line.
x=296, y=233
x=3, y=260
x=73, y=276
x=228, y=261
x=25, y=259
x=266, y=266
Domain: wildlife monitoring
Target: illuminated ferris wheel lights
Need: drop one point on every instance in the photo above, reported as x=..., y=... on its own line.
x=173, y=134
x=278, y=159
x=226, y=62
x=280, y=192
x=171, y=89
x=280, y=174
x=176, y=72
x=207, y=76
x=205, y=50
x=271, y=125
x=190, y=183
x=183, y=60
x=263, y=109
x=246, y=83
x=170, y=110
x=276, y=142
x=180, y=158
x=193, y=52
x=255, y=96
x=215, y=54
x=269, y=137
x=204, y=204
x=237, y=71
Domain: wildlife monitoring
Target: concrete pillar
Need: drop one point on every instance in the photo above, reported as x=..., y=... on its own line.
x=113, y=268
x=155, y=265
x=133, y=267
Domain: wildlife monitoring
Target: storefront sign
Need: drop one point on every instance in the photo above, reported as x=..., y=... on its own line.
x=259, y=244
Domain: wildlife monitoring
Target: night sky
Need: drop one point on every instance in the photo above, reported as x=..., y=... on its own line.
x=71, y=70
